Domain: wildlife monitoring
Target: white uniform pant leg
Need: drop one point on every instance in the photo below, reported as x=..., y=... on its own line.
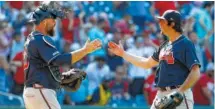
x=40, y=99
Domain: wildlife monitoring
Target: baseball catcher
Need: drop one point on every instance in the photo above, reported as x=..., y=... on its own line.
x=42, y=60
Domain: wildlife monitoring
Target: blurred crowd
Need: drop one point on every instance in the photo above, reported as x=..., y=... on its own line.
x=110, y=79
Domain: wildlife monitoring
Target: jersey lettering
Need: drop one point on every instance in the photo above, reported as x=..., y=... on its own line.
x=169, y=58
x=167, y=55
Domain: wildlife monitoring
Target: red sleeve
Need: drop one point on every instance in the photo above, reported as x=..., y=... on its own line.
x=203, y=82
x=76, y=22
x=65, y=24
x=18, y=57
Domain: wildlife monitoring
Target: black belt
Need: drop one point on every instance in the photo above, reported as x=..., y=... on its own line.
x=39, y=87
x=168, y=88
x=34, y=86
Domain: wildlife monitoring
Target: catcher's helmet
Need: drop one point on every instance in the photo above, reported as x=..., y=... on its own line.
x=50, y=9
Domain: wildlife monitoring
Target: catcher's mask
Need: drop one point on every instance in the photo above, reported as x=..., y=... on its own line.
x=48, y=9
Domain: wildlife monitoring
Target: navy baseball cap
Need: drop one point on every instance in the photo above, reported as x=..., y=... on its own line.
x=171, y=15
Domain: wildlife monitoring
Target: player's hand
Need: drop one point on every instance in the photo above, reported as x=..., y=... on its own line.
x=116, y=49
x=92, y=46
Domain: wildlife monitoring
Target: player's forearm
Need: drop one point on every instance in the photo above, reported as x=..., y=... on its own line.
x=70, y=58
x=136, y=60
x=191, y=79
x=78, y=54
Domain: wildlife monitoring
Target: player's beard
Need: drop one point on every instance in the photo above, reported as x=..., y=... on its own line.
x=50, y=32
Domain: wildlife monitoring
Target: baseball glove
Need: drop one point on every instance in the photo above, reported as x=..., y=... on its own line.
x=170, y=101
x=72, y=79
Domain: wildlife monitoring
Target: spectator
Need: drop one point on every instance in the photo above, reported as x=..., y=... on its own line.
x=30, y=6
x=101, y=95
x=203, y=19
x=136, y=74
x=160, y=39
x=28, y=29
x=119, y=86
x=96, y=71
x=19, y=22
x=18, y=75
x=199, y=50
x=123, y=24
x=4, y=45
x=83, y=32
x=104, y=16
x=148, y=44
x=67, y=28
x=120, y=8
x=79, y=97
x=3, y=68
x=112, y=60
x=208, y=45
x=97, y=32
x=189, y=24
x=149, y=89
x=4, y=39
x=17, y=44
x=204, y=88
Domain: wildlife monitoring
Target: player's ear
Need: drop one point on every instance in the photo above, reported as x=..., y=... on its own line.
x=44, y=22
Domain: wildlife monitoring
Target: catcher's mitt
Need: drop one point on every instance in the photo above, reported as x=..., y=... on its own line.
x=170, y=101
x=72, y=79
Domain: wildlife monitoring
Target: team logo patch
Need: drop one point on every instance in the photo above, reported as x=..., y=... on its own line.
x=167, y=54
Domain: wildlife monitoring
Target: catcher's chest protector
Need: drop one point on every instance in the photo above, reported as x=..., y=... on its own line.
x=39, y=52
x=55, y=71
